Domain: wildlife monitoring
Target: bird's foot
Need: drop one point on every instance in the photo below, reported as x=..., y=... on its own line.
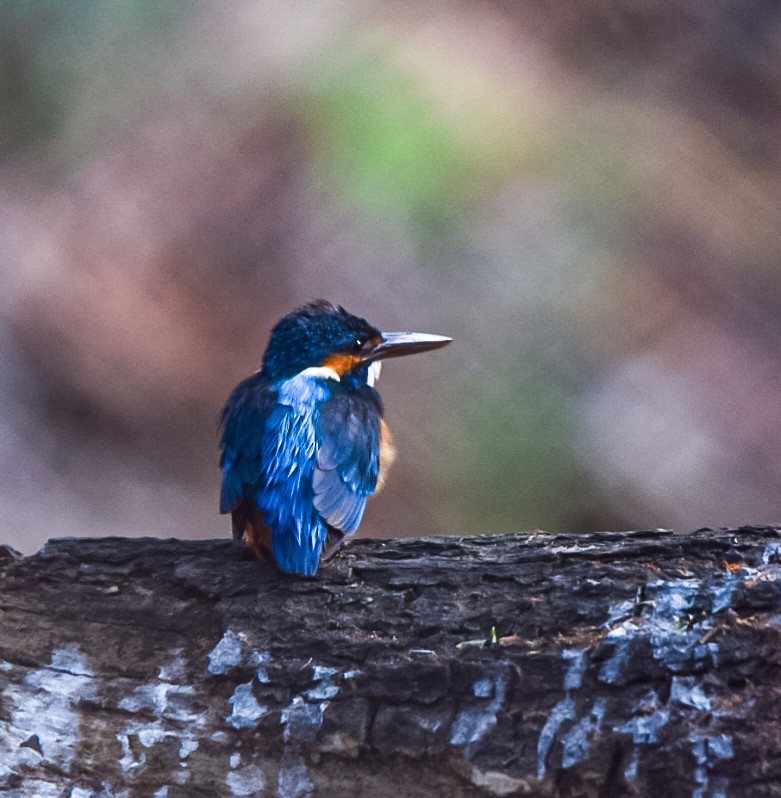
x=333, y=542
x=256, y=552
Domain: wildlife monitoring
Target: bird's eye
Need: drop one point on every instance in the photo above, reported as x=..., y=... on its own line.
x=357, y=345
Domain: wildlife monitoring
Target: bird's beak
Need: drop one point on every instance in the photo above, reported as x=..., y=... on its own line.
x=396, y=344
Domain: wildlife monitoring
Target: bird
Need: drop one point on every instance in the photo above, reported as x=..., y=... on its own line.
x=303, y=441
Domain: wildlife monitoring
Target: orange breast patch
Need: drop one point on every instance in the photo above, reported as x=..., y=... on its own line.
x=387, y=454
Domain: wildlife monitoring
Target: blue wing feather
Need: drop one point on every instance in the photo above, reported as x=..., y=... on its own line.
x=348, y=456
x=284, y=489
x=243, y=421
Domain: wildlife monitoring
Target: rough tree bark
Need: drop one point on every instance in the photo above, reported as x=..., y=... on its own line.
x=643, y=664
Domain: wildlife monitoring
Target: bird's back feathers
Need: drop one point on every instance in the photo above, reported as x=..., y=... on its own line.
x=305, y=451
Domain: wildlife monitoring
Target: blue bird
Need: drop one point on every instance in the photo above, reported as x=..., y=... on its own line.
x=303, y=442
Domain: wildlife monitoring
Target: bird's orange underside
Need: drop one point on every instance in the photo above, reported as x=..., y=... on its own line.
x=257, y=538
x=387, y=454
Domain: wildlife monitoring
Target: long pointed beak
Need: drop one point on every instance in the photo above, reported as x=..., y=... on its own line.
x=396, y=344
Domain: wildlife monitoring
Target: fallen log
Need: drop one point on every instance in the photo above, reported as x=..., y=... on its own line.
x=612, y=664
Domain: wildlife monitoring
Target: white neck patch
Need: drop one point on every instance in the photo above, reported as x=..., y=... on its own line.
x=320, y=371
x=374, y=373
x=326, y=373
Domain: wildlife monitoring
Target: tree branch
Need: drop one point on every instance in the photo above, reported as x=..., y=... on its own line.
x=642, y=664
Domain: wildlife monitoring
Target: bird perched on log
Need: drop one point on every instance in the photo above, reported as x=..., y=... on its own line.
x=303, y=440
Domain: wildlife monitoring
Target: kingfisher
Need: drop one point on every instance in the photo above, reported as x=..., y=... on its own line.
x=303, y=440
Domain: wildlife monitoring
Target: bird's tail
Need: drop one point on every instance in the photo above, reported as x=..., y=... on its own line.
x=299, y=552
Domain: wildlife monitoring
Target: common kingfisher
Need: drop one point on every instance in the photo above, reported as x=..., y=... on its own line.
x=304, y=442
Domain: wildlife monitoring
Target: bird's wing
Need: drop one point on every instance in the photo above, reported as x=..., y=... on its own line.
x=243, y=421
x=348, y=436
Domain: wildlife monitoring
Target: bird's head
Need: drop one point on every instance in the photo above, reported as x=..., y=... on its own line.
x=325, y=336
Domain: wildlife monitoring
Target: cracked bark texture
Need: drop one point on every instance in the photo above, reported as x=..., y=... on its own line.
x=613, y=664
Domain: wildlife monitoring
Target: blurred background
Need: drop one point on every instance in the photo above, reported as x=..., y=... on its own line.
x=585, y=194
